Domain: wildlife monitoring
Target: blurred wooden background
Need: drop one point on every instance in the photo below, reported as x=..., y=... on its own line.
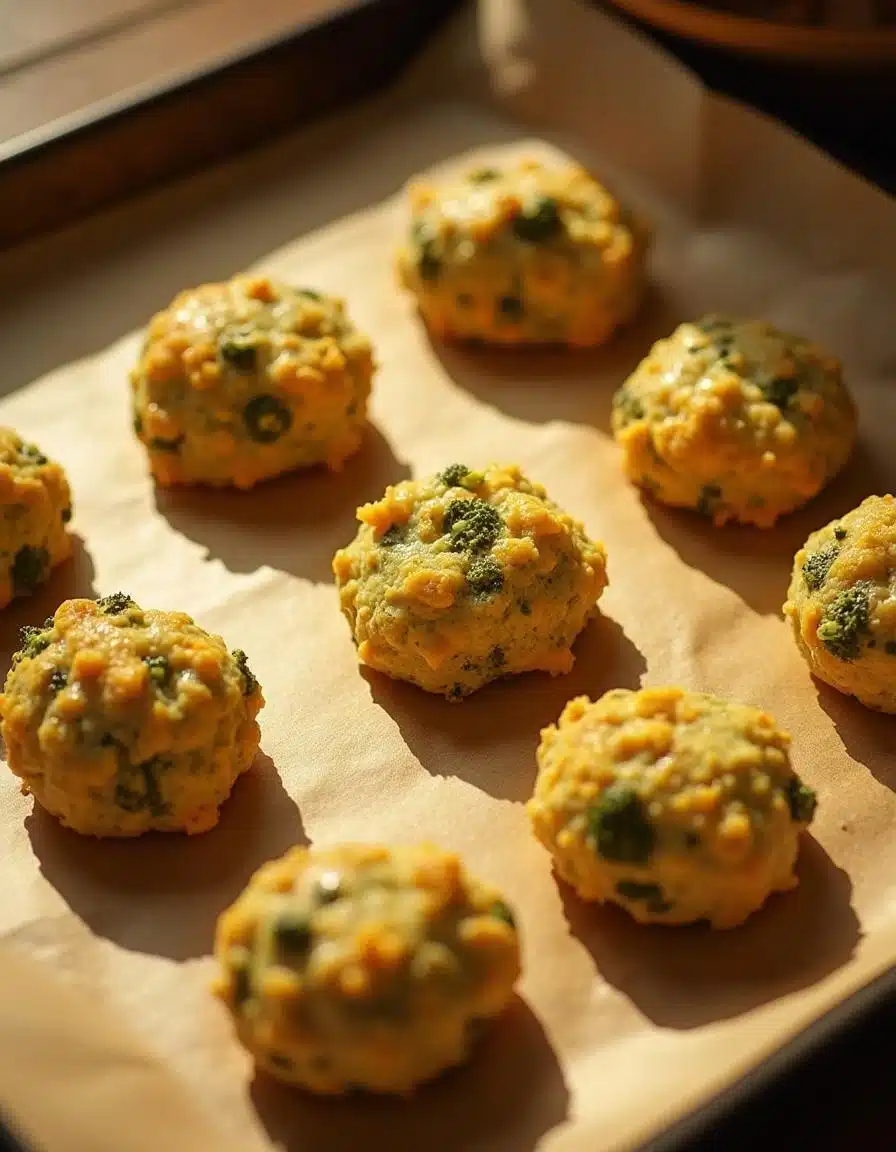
x=61, y=57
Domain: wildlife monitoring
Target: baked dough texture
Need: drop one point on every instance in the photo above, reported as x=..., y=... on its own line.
x=241, y=381
x=676, y=805
x=467, y=576
x=119, y=720
x=841, y=603
x=736, y=419
x=361, y=966
x=525, y=253
x=35, y=506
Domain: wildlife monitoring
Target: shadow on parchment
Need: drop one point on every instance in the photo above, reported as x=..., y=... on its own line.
x=162, y=892
x=507, y=1098
x=293, y=523
x=73, y=579
x=755, y=563
x=541, y=384
x=686, y=977
x=489, y=738
x=867, y=735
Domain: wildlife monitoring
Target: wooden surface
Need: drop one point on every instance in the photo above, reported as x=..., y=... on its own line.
x=61, y=60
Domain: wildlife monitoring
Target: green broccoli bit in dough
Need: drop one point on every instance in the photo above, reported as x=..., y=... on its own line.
x=502, y=912
x=310, y=293
x=393, y=535
x=159, y=444
x=817, y=566
x=802, y=801
x=628, y=406
x=539, y=221
x=138, y=787
x=473, y=524
x=460, y=476
x=292, y=931
x=714, y=323
x=266, y=418
x=34, y=639
x=845, y=621
x=509, y=308
x=238, y=354
x=496, y=657
x=29, y=568
x=159, y=669
x=525, y=608
x=138, y=424
x=840, y=533
x=780, y=391
x=33, y=455
x=710, y=495
x=619, y=828
x=484, y=576
x=115, y=604
x=484, y=175
x=250, y=683
x=66, y=515
x=58, y=680
x=429, y=263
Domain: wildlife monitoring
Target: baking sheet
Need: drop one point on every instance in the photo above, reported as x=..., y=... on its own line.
x=618, y=1029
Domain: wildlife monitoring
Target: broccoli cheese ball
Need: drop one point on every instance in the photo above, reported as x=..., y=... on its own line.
x=523, y=254
x=735, y=419
x=464, y=577
x=238, y=382
x=676, y=805
x=35, y=505
x=120, y=720
x=365, y=967
x=842, y=603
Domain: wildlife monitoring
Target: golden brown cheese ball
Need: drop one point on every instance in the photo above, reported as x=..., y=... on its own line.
x=842, y=605
x=240, y=381
x=35, y=506
x=120, y=720
x=464, y=577
x=365, y=967
x=736, y=419
x=675, y=805
x=525, y=253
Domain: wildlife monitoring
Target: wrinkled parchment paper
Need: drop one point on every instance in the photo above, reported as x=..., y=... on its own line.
x=618, y=1029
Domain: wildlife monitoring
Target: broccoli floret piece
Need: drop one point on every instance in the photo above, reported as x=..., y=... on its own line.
x=501, y=911
x=619, y=828
x=266, y=418
x=473, y=524
x=840, y=533
x=651, y=894
x=484, y=576
x=780, y=391
x=628, y=407
x=484, y=175
x=32, y=455
x=292, y=931
x=460, y=476
x=845, y=621
x=29, y=568
x=33, y=640
x=116, y=603
x=250, y=683
x=540, y=220
x=159, y=669
x=802, y=801
x=817, y=566
x=710, y=495
x=239, y=354
x=393, y=535
x=138, y=786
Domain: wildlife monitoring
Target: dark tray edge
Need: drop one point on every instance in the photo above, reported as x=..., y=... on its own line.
x=54, y=177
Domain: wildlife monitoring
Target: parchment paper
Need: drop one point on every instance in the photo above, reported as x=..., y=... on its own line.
x=618, y=1029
